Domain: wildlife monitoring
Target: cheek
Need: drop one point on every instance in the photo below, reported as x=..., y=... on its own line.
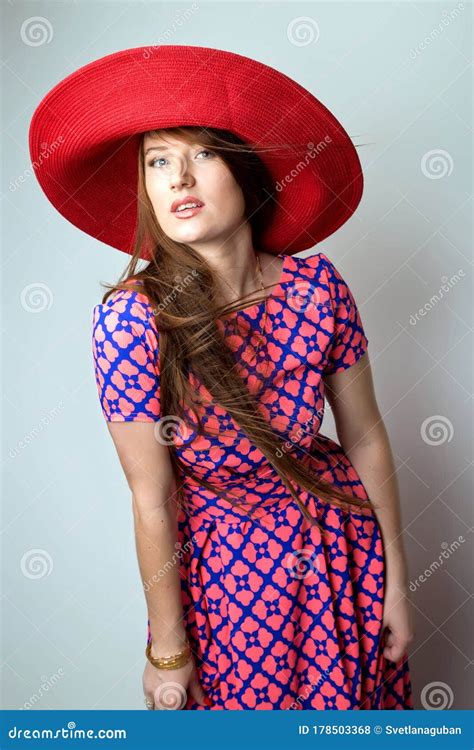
x=228, y=197
x=160, y=198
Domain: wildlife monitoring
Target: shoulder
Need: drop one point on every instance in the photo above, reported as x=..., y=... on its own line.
x=314, y=265
x=127, y=315
x=126, y=358
x=323, y=272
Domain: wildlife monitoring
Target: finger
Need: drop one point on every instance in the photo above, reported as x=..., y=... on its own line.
x=149, y=702
x=198, y=693
x=393, y=653
x=395, y=647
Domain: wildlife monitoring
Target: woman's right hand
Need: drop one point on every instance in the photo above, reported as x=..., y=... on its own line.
x=169, y=689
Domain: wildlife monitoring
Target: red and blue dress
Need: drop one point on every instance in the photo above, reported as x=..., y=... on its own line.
x=279, y=615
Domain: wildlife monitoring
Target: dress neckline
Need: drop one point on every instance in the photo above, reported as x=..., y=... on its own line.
x=275, y=291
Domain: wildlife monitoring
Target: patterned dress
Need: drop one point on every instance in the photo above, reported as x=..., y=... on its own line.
x=279, y=615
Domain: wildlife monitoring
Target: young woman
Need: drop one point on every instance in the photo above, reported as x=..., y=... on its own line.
x=271, y=556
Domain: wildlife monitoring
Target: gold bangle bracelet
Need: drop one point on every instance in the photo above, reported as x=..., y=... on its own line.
x=169, y=662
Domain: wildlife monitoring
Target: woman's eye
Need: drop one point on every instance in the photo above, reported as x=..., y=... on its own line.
x=152, y=163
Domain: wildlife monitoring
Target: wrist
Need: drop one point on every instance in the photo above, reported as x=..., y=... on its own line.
x=162, y=647
x=396, y=576
x=397, y=580
x=176, y=660
x=166, y=636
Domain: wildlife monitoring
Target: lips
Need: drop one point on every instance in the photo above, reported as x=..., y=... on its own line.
x=187, y=199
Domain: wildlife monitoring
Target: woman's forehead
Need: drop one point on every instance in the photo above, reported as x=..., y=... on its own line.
x=167, y=140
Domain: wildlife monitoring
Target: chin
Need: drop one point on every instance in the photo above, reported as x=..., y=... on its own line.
x=191, y=234
x=189, y=237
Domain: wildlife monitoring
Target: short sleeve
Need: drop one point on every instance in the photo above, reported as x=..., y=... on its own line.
x=126, y=358
x=348, y=342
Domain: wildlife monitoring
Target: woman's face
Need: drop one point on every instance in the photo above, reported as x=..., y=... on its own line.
x=175, y=170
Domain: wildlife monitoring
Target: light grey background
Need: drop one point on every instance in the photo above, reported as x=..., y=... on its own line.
x=398, y=76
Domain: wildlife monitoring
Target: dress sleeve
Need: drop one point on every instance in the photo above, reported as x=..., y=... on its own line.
x=126, y=359
x=348, y=342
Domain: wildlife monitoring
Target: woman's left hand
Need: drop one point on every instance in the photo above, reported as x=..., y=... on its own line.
x=398, y=622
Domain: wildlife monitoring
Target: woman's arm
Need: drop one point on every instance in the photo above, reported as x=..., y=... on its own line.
x=147, y=468
x=364, y=439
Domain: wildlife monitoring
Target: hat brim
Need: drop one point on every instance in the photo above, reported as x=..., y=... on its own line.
x=85, y=133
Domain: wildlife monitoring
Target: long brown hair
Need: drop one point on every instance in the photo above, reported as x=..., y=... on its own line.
x=189, y=338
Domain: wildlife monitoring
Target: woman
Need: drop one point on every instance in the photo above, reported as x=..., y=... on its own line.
x=271, y=556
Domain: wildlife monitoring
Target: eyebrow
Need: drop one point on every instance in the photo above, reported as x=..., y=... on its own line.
x=162, y=148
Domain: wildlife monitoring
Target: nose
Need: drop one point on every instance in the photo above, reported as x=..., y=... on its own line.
x=180, y=174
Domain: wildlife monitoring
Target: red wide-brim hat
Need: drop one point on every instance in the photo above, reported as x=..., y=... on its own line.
x=85, y=133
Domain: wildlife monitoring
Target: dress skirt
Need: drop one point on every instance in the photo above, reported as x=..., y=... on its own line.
x=283, y=615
